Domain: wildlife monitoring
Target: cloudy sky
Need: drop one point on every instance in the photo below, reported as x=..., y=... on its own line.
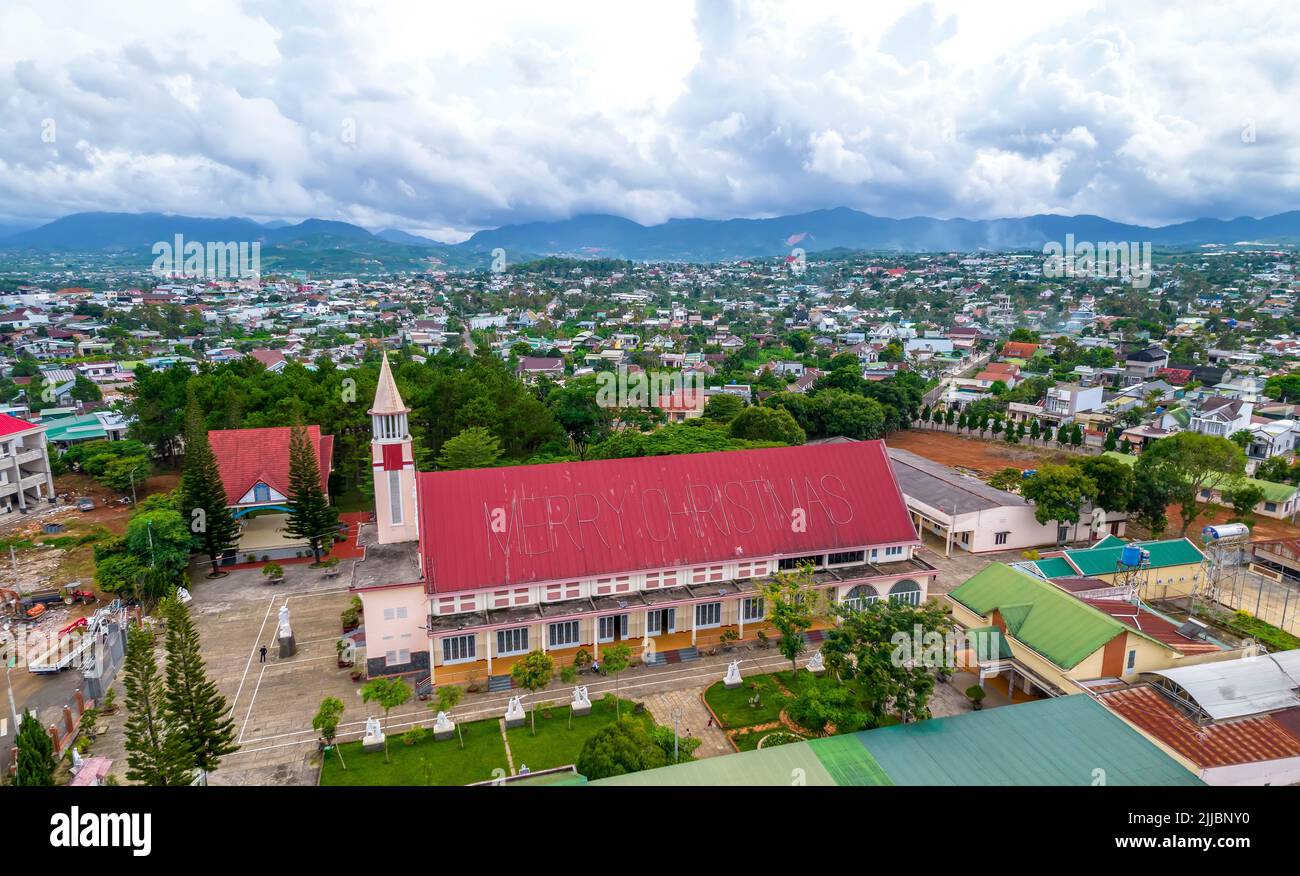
x=441, y=118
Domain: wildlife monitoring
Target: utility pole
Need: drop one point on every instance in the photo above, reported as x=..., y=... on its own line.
x=13, y=709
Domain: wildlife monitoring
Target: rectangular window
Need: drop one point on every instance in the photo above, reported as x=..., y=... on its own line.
x=1001, y=538
x=846, y=557
x=1132, y=659
x=395, y=497
x=512, y=641
x=655, y=580
x=708, y=615
x=399, y=657
x=398, y=613
x=557, y=592
x=706, y=574
x=261, y=493
x=660, y=620
x=795, y=562
x=562, y=634
x=609, y=625
x=751, y=609
x=458, y=649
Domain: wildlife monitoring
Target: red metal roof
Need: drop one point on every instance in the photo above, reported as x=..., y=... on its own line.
x=246, y=456
x=10, y=425
x=567, y=521
x=1246, y=740
x=1152, y=624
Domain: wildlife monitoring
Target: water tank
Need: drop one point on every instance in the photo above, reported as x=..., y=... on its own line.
x=1224, y=530
x=1131, y=556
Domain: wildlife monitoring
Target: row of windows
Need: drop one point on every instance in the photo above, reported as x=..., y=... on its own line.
x=654, y=580
x=458, y=649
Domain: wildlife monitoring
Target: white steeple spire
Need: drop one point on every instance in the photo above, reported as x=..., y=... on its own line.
x=387, y=399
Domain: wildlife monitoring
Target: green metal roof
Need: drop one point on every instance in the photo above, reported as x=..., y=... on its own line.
x=795, y=762
x=1055, y=567
x=1063, y=629
x=1070, y=740
x=84, y=428
x=1103, y=561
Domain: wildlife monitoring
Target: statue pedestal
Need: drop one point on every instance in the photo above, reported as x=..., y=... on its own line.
x=288, y=647
x=584, y=709
x=512, y=723
x=440, y=733
x=731, y=685
x=373, y=743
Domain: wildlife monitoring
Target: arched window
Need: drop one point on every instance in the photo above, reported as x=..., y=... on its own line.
x=907, y=591
x=861, y=596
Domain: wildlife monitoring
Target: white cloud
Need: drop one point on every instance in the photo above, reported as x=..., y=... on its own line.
x=445, y=118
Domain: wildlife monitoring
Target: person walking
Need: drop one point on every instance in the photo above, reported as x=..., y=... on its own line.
x=262, y=655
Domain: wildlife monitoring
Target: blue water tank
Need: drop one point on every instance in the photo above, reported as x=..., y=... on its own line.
x=1131, y=555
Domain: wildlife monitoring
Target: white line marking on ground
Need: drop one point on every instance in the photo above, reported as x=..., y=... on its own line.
x=488, y=708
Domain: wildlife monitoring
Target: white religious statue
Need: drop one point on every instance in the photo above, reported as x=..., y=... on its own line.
x=374, y=738
x=515, y=711
x=284, y=631
x=443, y=727
x=581, y=698
x=816, y=663
x=183, y=595
x=76, y=760
x=732, y=678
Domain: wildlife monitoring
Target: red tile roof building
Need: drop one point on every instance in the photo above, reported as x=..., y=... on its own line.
x=249, y=457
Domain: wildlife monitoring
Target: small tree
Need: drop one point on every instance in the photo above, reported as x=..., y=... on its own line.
x=35, y=753
x=389, y=693
x=534, y=673
x=326, y=723
x=448, y=698
x=617, y=658
x=790, y=609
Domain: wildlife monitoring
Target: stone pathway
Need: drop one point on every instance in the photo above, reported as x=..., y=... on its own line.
x=695, y=719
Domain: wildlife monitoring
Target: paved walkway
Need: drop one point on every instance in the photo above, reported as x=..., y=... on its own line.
x=694, y=722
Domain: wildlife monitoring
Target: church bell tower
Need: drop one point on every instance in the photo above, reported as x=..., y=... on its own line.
x=392, y=461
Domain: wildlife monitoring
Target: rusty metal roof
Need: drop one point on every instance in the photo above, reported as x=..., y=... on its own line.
x=1245, y=740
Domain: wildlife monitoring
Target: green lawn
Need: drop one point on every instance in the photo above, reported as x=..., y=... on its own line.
x=556, y=744
x=448, y=764
x=732, y=706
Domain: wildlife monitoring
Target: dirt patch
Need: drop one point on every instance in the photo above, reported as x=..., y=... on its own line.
x=983, y=458
x=1263, y=529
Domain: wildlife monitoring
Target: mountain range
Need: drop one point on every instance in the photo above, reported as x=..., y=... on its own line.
x=318, y=244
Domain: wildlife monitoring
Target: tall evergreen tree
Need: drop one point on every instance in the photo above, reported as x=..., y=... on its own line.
x=194, y=706
x=156, y=753
x=312, y=517
x=35, y=753
x=203, y=496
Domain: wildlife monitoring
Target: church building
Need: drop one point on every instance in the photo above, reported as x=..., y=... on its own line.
x=467, y=571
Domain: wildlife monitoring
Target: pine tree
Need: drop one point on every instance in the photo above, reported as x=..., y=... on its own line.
x=156, y=753
x=194, y=706
x=35, y=753
x=203, y=495
x=312, y=517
